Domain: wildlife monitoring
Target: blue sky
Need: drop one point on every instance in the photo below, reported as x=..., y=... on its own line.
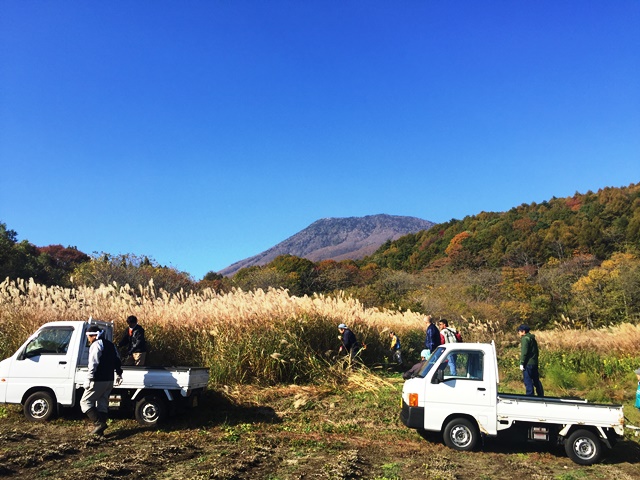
x=200, y=133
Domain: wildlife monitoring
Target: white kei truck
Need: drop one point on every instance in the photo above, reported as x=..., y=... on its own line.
x=48, y=371
x=465, y=405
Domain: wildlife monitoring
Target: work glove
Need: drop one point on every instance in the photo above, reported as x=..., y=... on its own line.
x=88, y=383
x=522, y=367
x=118, y=381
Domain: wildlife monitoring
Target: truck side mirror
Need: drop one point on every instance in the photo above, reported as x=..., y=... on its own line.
x=438, y=377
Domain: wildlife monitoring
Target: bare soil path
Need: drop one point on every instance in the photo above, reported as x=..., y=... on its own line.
x=280, y=433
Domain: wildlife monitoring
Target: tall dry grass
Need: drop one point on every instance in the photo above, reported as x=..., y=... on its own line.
x=264, y=336
x=267, y=337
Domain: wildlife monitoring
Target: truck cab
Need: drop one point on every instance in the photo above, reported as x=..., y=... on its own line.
x=460, y=378
x=47, y=362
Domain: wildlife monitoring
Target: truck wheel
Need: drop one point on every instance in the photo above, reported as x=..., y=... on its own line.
x=583, y=447
x=150, y=410
x=40, y=407
x=461, y=434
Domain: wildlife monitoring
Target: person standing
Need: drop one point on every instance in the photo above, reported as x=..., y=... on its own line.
x=395, y=348
x=103, y=361
x=529, y=361
x=432, y=341
x=448, y=335
x=133, y=339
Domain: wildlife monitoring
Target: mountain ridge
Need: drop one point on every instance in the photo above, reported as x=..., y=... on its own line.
x=337, y=238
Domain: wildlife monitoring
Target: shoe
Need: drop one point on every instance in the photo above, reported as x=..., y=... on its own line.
x=99, y=420
x=100, y=424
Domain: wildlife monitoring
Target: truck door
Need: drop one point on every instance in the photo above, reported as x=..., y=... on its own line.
x=461, y=389
x=45, y=360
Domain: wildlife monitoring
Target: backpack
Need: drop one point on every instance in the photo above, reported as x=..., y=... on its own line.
x=459, y=337
x=449, y=335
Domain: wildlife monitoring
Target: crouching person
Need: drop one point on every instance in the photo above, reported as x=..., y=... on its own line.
x=103, y=362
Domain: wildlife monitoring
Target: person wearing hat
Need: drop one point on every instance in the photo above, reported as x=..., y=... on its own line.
x=103, y=361
x=413, y=371
x=133, y=340
x=529, y=361
x=350, y=345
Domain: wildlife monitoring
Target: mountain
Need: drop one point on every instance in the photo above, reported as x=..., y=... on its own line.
x=337, y=239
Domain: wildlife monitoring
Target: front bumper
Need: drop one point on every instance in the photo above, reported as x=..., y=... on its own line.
x=412, y=417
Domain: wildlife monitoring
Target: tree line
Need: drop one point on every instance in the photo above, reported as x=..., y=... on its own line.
x=569, y=260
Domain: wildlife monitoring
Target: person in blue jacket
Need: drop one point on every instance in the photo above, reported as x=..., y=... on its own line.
x=432, y=341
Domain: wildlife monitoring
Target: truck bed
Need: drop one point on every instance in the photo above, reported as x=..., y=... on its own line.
x=160, y=378
x=522, y=408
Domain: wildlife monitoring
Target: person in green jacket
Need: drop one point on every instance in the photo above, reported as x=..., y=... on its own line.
x=529, y=361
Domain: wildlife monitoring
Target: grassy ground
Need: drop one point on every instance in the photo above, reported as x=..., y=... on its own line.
x=289, y=432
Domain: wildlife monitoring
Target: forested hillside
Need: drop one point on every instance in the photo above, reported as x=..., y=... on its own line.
x=597, y=224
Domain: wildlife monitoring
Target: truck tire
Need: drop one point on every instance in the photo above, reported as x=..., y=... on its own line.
x=40, y=407
x=150, y=410
x=461, y=434
x=583, y=447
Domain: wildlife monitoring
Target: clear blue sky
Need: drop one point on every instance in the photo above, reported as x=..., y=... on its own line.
x=200, y=133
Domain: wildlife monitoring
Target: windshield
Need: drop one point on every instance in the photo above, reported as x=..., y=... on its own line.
x=49, y=341
x=432, y=360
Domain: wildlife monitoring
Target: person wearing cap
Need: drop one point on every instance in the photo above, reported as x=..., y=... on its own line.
x=350, y=345
x=529, y=361
x=413, y=371
x=133, y=340
x=103, y=361
x=432, y=340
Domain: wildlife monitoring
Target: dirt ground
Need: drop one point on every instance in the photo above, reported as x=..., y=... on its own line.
x=279, y=433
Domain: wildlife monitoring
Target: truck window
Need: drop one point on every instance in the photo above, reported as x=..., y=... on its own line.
x=53, y=340
x=463, y=364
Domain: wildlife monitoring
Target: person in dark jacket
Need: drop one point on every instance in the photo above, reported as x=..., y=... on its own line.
x=103, y=361
x=350, y=345
x=529, y=361
x=432, y=341
x=133, y=340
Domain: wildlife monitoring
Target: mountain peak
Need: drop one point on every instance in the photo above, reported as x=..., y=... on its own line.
x=347, y=238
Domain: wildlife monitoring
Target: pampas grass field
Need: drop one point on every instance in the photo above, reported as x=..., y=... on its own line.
x=269, y=337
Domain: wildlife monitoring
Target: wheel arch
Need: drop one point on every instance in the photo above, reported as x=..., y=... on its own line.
x=599, y=432
x=469, y=417
x=144, y=392
x=33, y=390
